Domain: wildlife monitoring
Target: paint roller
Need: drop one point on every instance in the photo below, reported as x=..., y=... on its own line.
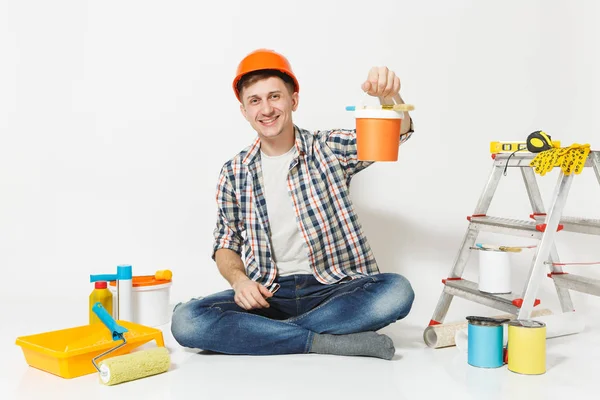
x=127, y=367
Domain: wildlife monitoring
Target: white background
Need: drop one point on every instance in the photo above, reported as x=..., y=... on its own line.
x=116, y=116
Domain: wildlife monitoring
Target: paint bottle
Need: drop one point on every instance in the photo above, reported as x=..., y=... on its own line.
x=527, y=347
x=485, y=342
x=124, y=276
x=102, y=295
x=125, y=292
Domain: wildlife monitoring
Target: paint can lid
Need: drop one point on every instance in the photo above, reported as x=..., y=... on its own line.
x=527, y=323
x=486, y=321
x=144, y=280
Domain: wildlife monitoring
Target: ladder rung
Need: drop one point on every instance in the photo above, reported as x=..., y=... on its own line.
x=517, y=227
x=578, y=283
x=572, y=224
x=470, y=290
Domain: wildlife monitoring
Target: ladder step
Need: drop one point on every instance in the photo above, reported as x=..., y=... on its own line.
x=572, y=224
x=516, y=227
x=470, y=291
x=577, y=282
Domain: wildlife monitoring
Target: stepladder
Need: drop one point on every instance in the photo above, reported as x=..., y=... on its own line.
x=542, y=225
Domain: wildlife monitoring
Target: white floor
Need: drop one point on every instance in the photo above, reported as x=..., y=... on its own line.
x=416, y=371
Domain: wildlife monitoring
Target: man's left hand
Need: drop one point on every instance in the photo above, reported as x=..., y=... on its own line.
x=381, y=82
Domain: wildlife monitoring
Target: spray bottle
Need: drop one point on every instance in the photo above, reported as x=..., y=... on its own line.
x=124, y=278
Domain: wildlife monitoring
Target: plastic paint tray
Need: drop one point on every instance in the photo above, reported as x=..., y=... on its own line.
x=68, y=353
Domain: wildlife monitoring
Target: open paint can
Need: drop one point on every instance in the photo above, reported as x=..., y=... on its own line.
x=527, y=347
x=150, y=300
x=378, y=132
x=485, y=342
x=494, y=272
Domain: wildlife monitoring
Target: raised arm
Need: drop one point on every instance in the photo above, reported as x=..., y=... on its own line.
x=381, y=83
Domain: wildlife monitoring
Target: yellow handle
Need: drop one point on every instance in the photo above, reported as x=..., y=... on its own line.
x=397, y=104
x=398, y=107
x=163, y=275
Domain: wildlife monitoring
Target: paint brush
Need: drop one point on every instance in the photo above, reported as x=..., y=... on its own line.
x=511, y=249
x=392, y=107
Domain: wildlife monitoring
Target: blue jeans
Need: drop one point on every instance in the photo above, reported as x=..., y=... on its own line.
x=300, y=308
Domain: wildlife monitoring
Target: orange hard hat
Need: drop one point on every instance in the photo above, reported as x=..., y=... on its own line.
x=263, y=59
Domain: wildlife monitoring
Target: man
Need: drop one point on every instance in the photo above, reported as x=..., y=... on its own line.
x=303, y=276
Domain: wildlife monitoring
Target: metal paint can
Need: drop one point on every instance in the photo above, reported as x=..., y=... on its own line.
x=494, y=272
x=485, y=343
x=527, y=347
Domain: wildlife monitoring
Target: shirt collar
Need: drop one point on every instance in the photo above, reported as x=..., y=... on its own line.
x=254, y=151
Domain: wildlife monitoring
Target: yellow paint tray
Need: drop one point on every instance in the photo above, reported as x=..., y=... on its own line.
x=68, y=353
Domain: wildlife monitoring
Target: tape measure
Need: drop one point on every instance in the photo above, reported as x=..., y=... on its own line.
x=539, y=141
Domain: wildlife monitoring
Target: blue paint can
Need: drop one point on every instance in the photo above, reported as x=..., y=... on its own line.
x=485, y=342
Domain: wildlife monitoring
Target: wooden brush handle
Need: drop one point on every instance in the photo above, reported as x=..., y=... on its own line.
x=396, y=104
x=398, y=107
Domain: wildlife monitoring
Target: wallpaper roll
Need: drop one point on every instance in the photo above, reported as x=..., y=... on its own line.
x=444, y=335
x=556, y=325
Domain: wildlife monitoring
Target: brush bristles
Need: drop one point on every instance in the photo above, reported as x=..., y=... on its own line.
x=134, y=366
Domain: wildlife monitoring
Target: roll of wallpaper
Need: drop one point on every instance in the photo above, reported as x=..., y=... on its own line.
x=556, y=325
x=437, y=336
x=444, y=335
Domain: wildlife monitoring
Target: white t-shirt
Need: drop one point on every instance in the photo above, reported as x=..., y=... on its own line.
x=288, y=246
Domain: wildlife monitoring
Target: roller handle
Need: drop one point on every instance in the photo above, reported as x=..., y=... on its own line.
x=116, y=329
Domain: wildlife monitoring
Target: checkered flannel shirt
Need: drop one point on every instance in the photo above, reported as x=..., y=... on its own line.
x=319, y=186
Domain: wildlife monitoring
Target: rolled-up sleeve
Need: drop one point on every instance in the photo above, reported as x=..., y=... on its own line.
x=343, y=144
x=229, y=226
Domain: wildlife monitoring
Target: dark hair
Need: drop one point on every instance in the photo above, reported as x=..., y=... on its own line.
x=253, y=77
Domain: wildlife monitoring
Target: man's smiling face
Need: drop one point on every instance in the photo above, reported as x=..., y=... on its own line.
x=268, y=105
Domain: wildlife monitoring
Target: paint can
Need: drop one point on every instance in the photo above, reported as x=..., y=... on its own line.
x=150, y=299
x=485, y=342
x=527, y=347
x=494, y=272
x=378, y=134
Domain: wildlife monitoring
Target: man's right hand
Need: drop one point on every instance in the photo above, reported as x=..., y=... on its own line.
x=250, y=294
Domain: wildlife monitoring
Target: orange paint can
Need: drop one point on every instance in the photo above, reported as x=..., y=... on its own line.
x=378, y=134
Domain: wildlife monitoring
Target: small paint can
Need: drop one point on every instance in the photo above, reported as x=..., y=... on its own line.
x=527, y=347
x=485, y=342
x=494, y=272
x=378, y=134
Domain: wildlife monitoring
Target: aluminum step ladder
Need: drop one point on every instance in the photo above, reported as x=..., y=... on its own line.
x=542, y=226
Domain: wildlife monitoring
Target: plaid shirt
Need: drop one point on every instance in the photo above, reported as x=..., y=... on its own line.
x=319, y=186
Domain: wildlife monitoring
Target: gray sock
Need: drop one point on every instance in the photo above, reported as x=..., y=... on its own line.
x=369, y=344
